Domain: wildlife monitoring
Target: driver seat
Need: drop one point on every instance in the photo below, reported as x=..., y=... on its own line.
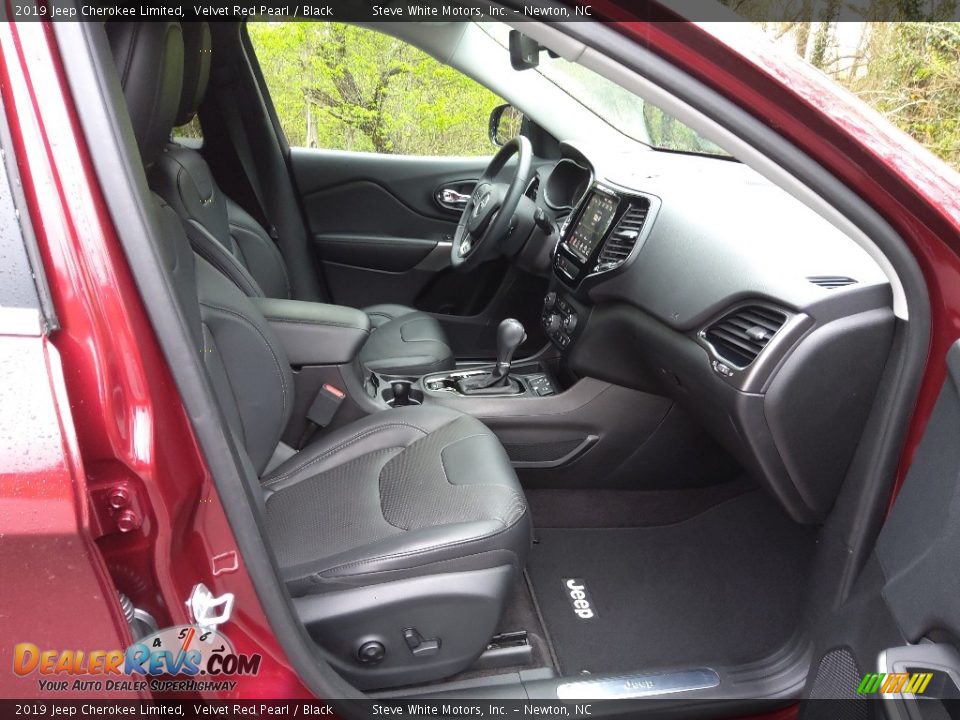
x=402, y=341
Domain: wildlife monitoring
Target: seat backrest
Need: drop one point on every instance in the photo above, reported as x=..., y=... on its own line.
x=221, y=232
x=246, y=364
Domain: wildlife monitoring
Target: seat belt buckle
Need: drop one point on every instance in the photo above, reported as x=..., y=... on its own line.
x=325, y=405
x=321, y=412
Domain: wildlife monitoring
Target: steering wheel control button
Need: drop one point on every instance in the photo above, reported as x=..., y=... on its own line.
x=550, y=301
x=371, y=653
x=570, y=323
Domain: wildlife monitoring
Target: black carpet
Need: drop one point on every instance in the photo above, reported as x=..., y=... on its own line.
x=724, y=587
x=593, y=508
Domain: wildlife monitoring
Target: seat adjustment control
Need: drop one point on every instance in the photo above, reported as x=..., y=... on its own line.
x=418, y=646
x=371, y=652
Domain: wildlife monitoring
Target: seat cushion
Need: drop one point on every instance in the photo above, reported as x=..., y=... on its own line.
x=406, y=492
x=405, y=342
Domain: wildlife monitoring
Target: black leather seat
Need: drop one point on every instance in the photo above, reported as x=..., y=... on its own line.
x=402, y=341
x=408, y=523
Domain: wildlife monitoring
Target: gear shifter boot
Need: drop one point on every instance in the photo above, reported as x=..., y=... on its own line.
x=489, y=384
x=510, y=335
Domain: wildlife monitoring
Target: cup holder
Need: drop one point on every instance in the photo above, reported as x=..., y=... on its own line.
x=410, y=402
x=401, y=393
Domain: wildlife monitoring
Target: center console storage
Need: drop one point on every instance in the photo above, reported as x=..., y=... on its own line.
x=315, y=333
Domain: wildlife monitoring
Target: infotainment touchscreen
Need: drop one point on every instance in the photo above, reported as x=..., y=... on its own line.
x=583, y=238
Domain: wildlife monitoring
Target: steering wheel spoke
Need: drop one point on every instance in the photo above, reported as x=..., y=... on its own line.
x=485, y=222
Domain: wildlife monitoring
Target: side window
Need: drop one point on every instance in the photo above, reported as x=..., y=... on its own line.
x=192, y=133
x=345, y=87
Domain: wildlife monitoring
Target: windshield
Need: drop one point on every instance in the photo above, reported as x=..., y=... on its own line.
x=621, y=109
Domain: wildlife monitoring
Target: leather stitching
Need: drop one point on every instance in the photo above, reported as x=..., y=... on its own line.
x=421, y=551
x=346, y=443
x=330, y=323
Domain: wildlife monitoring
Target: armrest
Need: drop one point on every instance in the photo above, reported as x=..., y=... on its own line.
x=316, y=333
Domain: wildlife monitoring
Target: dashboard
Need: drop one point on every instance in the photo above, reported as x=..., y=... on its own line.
x=697, y=279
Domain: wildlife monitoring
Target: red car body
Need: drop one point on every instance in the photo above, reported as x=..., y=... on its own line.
x=88, y=478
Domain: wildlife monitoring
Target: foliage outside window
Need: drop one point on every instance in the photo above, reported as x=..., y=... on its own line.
x=907, y=71
x=627, y=113
x=345, y=87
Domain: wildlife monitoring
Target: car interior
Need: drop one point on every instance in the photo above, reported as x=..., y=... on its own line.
x=570, y=420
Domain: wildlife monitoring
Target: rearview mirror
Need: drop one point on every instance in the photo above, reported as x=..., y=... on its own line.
x=506, y=122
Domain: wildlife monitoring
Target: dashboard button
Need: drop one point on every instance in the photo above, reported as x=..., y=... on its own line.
x=550, y=301
x=570, y=323
x=722, y=369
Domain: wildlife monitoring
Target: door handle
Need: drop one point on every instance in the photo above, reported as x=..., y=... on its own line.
x=450, y=198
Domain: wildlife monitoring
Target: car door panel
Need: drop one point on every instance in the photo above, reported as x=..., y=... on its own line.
x=381, y=229
x=903, y=614
x=378, y=227
x=375, y=252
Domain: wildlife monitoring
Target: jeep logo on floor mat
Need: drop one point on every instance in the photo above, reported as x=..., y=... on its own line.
x=579, y=597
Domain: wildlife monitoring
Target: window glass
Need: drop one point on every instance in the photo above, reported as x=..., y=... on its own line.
x=346, y=87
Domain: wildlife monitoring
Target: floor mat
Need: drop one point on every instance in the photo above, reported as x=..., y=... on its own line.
x=724, y=587
x=592, y=508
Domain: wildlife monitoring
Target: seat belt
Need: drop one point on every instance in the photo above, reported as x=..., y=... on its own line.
x=241, y=146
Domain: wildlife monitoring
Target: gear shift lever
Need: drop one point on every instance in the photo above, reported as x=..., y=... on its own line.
x=510, y=336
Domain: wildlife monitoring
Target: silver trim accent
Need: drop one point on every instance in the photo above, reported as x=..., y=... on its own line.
x=755, y=376
x=451, y=199
x=576, y=201
x=653, y=209
x=641, y=685
x=460, y=374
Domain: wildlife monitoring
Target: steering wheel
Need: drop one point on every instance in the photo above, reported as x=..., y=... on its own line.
x=485, y=223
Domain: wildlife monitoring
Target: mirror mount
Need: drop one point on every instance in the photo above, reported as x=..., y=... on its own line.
x=524, y=51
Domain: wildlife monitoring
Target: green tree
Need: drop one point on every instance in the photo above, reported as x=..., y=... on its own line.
x=913, y=77
x=348, y=87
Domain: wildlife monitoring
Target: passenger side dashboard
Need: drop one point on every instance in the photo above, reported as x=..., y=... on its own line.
x=696, y=279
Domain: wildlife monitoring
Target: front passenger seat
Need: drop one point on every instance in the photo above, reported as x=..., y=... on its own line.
x=403, y=341
x=399, y=536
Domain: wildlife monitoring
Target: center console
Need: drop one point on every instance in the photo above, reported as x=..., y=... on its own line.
x=604, y=233
x=546, y=410
x=562, y=317
x=531, y=380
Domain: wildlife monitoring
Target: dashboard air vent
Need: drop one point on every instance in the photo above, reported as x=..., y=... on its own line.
x=623, y=237
x=742, y=334
x=832, y=282
x=533, y=187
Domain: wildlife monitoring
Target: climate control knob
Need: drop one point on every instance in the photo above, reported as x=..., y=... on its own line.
x=553, y=323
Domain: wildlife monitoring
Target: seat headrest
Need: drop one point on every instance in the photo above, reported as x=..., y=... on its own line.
x=149, y=58
x=196, y=69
